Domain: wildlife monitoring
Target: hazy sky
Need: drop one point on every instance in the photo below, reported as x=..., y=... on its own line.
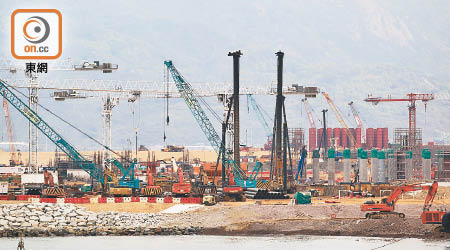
x=349, y=48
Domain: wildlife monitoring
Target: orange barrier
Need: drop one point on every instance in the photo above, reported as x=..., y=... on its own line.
x=101, y=199
x=151, y=199
x=135, y=199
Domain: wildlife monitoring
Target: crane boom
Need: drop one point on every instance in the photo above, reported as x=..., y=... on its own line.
x=358, y=120
x=340, y=119
x=50, y=133
x=308, y=111
x=187, y=92
x=260, y=116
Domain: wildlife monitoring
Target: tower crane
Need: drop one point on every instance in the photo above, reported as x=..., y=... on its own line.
x=340, y=119
x=412, y=98
x=262, y=120
x=358, y=121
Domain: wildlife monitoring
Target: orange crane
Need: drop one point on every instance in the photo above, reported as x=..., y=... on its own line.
x=358, y=121
x=14, y=159
x=412, y=98
x=308, y=111
x=340, y=119
x=387, y=205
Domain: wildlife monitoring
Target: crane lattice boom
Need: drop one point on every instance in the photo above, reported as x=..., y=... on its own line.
x=340, y=119
x=187, y=92
x=50, y=133
x=358, y=121
x=308, y=111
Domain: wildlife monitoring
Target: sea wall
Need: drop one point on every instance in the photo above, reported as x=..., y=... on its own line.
x=21, y=220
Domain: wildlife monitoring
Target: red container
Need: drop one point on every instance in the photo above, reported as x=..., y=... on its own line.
x=101, y=199
x=344, y=138
x=358, y=137
x=312, y=139
x=329, y=134
x=135, y=199
x=379, y=138
x=385, y=138
x=118, y=199
x=168, y=199
x=370, y=138
x=151, y=199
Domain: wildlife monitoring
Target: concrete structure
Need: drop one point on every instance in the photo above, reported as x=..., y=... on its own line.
x=347, y=165
x=409, y=165
x=374, y=165
x=426, y=164
x=381, y=167
x=391, y=166
x=331, y=167
x=315, y=166
x=363, y=163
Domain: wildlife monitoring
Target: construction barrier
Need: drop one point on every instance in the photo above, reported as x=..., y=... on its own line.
x=152, y=199
x=176, y=200
x=94, y=200
x=168, y=199
x=136, y=199
x=60, y=200
x=127, y=199
x=26, y=197
x=34, y=200
x=102, y=199
x=109, y=200
x=185, y=200
x=118, y=199
x=47, y=200
x=4, y=197
x=159, y=200
x=142, y=199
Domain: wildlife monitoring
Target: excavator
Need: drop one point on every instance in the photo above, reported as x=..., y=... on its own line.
x=181, y=188
x=387, y=205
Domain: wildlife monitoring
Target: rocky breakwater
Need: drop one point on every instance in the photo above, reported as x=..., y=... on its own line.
x=18, y=220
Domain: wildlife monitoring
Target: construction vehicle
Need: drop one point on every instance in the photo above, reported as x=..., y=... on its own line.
x=127, y=184
x=387, y=205
x=191, y=99
x=150, y=189
x=96, y=173
x=434, y=217
x=209, y=200
x=181, y=188
x=49, y=190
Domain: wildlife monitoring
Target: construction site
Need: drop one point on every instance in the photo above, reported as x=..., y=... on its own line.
x=326, y=181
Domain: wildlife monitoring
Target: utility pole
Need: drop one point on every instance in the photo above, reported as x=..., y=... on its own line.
x=236, y=142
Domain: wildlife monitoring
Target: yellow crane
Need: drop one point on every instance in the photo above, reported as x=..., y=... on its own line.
x=340, y=119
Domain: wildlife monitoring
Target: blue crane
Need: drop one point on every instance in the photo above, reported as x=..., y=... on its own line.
x=259, y=114
x=190, y=97
x=51, y=134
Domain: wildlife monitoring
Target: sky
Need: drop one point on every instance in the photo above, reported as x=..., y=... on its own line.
x=348, y=48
